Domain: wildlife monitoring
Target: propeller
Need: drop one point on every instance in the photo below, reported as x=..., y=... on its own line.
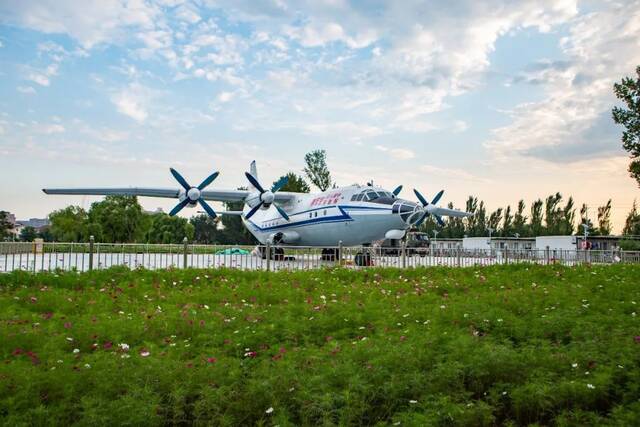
x=397, y=190
x=266, y=196
x=426, y=205
x=193, y=194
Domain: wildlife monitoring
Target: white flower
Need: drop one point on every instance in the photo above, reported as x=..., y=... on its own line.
x=413, y=401
x=86, y=365
x=69, y=339
x=504, y=393
x=60, y=361
x=574, y=365
x=268, y=411
x=76, y=350
x=123, y=346
x=443, y=307
x=591, y=386
x=144, y=353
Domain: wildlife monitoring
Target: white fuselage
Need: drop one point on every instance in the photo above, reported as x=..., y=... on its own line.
x=328, y=218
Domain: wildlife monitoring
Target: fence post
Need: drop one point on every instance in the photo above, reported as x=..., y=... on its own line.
x=403, y=253
x=546, y=254
x=185, y=249
x=92, y=241
x=339, y=253
x=458, y=255
x=268, y=251
x=506, y=255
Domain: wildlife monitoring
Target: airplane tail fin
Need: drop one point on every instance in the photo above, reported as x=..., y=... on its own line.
x=253, y=170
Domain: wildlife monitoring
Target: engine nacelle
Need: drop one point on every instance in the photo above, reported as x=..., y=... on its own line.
x=284, y=237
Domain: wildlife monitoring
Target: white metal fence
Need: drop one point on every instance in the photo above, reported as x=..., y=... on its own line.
x=88, y=256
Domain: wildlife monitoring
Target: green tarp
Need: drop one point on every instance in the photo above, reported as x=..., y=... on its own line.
x=233, y=251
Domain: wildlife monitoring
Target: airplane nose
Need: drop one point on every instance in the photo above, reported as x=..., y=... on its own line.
x=410, y=212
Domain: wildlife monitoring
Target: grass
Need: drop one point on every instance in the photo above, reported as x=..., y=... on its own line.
x=506, y=345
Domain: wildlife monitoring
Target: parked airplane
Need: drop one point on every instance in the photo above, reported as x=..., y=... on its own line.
x=353, y=215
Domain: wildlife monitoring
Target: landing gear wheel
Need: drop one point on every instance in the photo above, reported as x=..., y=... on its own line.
x=363, y=259
x=330, y=254
x=278, y=254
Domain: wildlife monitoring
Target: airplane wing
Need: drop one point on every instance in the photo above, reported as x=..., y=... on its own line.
x=214, y=195
x=450, y=212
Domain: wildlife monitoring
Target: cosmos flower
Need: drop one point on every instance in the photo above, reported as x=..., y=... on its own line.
x=144, y=352
x=269, y=410
x=76, y=350
x=123, y=346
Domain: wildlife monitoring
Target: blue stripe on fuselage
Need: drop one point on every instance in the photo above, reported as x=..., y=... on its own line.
x=344, y=217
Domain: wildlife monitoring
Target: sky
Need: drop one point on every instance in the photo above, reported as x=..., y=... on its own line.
x=504, y=100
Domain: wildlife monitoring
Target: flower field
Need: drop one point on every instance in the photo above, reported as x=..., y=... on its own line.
x=504, y=345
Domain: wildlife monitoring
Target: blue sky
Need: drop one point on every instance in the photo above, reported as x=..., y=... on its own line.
x=503, y=100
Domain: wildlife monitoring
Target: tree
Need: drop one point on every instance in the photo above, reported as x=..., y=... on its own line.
x=628, y=91
x=233, y=231
x=507, y=222
x=205, y=229
x=566, y=223
x=69, y=224
x=604, y=219
x=494, y=221
x=584, y=219
x=5, y=225
x=27, y=234
x=169, y=229
x=520, y=220
x=116, y=219
x=316, y=169
x=470, y=222
x=552, y=214
x=295, y=184
x=632, y=223
x=535, y=223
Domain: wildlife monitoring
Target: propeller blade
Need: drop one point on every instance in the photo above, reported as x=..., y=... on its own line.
x=421, y=220
x=207, y=208
x=179, y=207
x=281, y=183
x=208, y=181
x=397, y=190
x=282, y=212
x=254, y=182
x=254, y=209
x=435, y=199
x=422, y=199
x=439, y=219
x=180, y=179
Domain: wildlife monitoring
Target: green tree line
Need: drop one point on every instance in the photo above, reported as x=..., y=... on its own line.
x=543, y=217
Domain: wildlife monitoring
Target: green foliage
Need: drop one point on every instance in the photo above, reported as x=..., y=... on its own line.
x=628, y=91
x=632, y=222
x=116, y=219
x=317, y=170
x=27, y=234
x=169, y=229
x=205, y=229
x=629, y=245
x=295, y=184
x=69, y=224
x=604, y=219
x=507, y=345
x=5, y=225
x=234, y=232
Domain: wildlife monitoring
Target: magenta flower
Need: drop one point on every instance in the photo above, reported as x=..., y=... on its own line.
x=107, y=345
x=211, y=360
x=637, y=339
x=67, y=325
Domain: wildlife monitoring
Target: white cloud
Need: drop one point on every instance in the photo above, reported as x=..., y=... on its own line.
x=52, y=128
x=26, y=90
x=573, y=121
x=397, y=153
x=318, y=34
x=132, y=101
x=97, y=21
x=225, y=97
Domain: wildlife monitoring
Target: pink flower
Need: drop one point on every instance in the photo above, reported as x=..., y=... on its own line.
x=637, y=339
x=17, y=351
x=144, y=352
x=67, y=325
x=107, y=345
x=47, y=316
x=251, y=354
x=211, y=360
x=403, y=338
x=34, y=300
